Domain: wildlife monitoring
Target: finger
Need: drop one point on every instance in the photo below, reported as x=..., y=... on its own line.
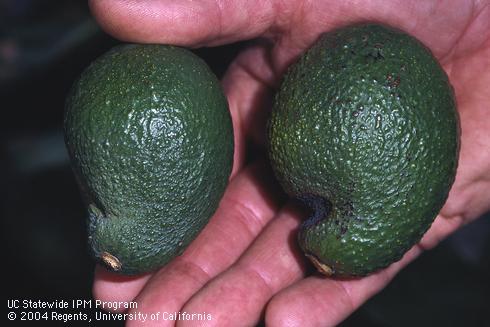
x=270, y=264
x=244, y=211
x=211, y=22
x=322, y=301
x=441, y=228
x=112, y=287
x=249, y=84
x=183, y=22
x=470, y=76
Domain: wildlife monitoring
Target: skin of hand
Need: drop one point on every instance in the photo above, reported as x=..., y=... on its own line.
x=245, y=267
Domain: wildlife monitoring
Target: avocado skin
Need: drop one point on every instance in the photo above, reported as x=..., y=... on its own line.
x=150, y=139
x=364, y=130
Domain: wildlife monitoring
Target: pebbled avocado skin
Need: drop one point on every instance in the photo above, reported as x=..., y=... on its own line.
x=365, y=131
x=150, y=139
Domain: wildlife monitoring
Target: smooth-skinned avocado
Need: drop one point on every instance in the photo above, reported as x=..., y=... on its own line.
x=150, y=139
x=364, y=130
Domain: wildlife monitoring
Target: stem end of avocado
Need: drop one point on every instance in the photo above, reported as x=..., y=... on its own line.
x=111, y=261
x=320, y=266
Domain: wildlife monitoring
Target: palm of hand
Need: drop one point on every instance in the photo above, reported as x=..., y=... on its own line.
x=246, y=257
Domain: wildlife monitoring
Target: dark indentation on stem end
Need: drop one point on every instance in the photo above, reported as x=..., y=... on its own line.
x=319, y=206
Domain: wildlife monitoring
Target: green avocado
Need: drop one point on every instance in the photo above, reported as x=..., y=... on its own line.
x=364, y=130
x=150, y=139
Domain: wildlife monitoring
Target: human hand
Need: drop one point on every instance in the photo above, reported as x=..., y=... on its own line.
x=245, y=265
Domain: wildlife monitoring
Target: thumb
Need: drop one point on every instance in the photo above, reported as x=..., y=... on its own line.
x=191, y=23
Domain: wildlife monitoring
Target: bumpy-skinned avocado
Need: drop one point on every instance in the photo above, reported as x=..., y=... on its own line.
x=151, y=142
x=364, y=130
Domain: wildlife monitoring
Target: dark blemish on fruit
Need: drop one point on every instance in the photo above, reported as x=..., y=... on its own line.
x=319, y=206
x=393, y=81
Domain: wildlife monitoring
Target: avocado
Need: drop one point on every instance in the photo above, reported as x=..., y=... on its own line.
x=364, y=130
x=150, y=139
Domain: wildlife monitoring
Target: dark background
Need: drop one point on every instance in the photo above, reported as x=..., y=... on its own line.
x=44, y=45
